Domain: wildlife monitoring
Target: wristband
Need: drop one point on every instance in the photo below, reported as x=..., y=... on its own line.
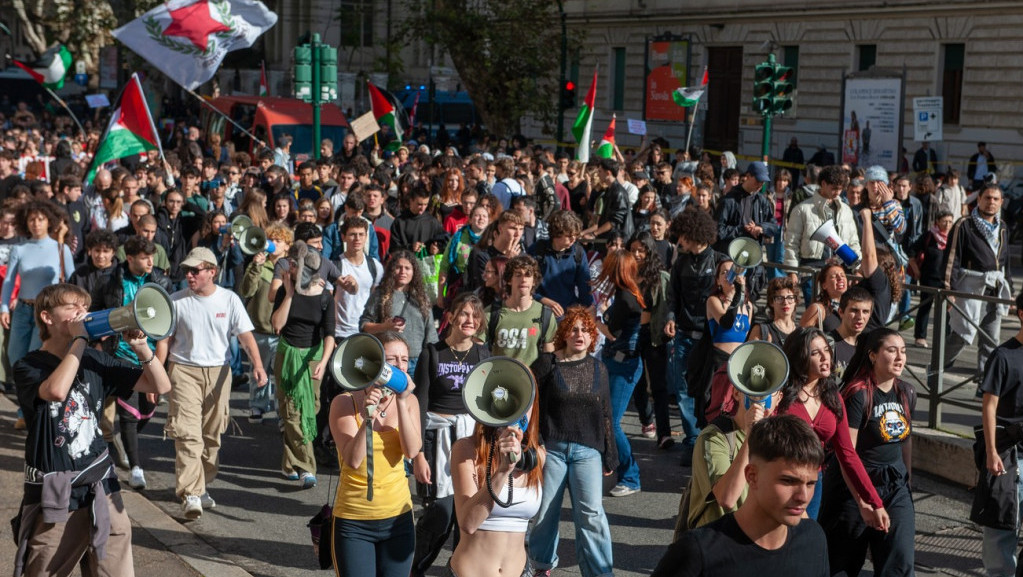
x=148, y=361
x=84, y=338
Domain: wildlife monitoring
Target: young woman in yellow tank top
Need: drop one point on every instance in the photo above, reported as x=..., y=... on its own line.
x=375, y=536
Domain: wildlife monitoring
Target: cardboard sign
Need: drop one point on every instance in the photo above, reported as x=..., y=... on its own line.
x=637, y=127
x=364, y=126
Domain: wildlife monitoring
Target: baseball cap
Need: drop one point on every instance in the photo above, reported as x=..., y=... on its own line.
x=876, y=172
x=197, y=256
x=759, y=171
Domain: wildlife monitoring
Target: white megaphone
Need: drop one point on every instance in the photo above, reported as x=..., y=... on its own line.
x=253, y=241
x=745, y=253
x=758, y=369
x=152, y=312
x=239, y=225
x=499, y=391
x=359, y=362
x=828, y=234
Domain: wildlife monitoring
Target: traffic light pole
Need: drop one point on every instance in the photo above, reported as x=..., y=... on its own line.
x=317, y=93
x=561, y=82
x=765, y=147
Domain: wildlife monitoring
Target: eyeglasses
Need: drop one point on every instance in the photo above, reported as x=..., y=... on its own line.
x=785, y=298
x=188, y=270
x=234, y=173
x=571, y=173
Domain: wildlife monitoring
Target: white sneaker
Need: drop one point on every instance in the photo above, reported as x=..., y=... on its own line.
x=191, y=507
x=207, y=501
x=138, y=479
x=623, y=491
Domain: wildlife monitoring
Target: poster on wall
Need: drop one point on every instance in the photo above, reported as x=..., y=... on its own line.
x=871, y=125
x=667, y=68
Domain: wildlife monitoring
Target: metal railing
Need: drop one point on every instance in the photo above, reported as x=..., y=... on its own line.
x=932, y=386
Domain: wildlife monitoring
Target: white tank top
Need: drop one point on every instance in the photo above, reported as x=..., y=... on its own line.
x=515, y=518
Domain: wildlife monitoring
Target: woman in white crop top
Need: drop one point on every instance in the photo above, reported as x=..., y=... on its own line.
x=493, y=538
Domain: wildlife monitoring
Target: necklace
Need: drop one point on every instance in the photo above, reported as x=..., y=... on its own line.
x=803, y=393
x=460, y=361
x=382, y=410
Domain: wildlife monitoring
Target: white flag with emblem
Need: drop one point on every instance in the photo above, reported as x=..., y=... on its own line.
x=188, y=39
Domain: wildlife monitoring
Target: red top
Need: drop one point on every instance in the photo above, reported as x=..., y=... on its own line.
x=836, y=434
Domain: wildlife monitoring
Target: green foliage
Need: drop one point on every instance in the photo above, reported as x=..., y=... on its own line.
x=507, y=54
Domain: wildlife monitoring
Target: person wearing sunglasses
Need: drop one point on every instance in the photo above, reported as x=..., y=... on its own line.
x=198, y=364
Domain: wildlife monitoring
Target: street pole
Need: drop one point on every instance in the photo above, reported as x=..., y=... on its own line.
x=765, y=147
x=317, y=93
x=561, y=82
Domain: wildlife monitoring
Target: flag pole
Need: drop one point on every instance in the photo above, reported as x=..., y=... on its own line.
x=692, y=121
x=226, y=117
x=63, y=104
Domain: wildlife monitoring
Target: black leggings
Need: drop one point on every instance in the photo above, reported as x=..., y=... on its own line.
x=133, y=412
x=377, y=548
x=848, y=536
x=655, y=367
x=438, y=519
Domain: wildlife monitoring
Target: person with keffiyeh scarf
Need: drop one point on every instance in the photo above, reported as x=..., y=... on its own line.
x=456, y=255
x=978, y=262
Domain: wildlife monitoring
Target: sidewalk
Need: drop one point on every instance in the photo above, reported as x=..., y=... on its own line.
x=161, y=545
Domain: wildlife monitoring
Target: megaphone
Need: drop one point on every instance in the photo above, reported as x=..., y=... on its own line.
x=758, y=369
x=745, y=253
x=828, y=234
x=239, y=225
x=253, y=240
x=499, y=391
x=359, y=362
x=152, y=312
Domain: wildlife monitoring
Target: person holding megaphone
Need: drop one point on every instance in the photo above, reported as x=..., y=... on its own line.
x=498, y=478
x=375, y=536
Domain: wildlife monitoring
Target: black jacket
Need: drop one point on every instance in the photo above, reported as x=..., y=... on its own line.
x=730, y=218
x=967, y=249
x=692, y=281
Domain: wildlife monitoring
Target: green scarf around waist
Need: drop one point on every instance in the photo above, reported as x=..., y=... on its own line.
x=297, y=382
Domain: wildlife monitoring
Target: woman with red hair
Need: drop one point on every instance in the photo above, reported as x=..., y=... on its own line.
x=575, y=417
x=498, y=489
x=450, y=196
x=620, y=354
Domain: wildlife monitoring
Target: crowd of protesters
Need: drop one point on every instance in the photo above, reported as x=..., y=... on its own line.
x=603, y=276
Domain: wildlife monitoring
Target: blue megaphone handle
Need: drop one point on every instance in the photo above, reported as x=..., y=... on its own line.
x=97, y=324
x=732, y=274
x=766, y=402
x=225, y=229
x=523, y=423
x=270, y=247
x=394, y=379
x=847, y=255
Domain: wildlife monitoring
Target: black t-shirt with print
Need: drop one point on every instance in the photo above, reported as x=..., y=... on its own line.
x=440, y=375
x=65, y=435
x=843, y=354
x=880, y=439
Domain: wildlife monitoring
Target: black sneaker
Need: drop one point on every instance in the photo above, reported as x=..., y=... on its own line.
x=239, y=381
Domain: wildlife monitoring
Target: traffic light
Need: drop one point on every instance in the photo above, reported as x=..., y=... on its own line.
x=772, y=88
x=763, y=87
x=303, y=77
x=568, y=95
x=328, y=73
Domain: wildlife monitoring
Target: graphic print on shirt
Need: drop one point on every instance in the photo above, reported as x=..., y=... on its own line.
x=78, y=426
x=893, y=424
x=454, y=372
x=515, y=338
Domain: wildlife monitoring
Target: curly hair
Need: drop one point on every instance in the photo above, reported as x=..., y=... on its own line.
x=564, y=223
x=780, y=284
x=695, y=226
x=572, y=314
x=523, y=263
x=892, y=270
x=415, y=290
x=43, y=207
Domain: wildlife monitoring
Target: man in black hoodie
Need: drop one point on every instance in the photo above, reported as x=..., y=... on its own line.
x=415, y=226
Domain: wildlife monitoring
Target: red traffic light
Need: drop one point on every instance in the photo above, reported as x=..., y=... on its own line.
x=569, y=85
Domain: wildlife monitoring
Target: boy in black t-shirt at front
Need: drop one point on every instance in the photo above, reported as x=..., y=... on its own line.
x=854, y=310
x=767, y=532
x=61, y=388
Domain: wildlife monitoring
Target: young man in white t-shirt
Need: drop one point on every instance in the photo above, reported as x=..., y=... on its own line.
x=360, y=273
x=197, y=358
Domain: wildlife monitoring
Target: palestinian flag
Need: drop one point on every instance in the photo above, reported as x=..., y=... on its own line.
x=584, y=122
x=50, y=68
x=264, y=89
x=130, y=131
x=689, y=95
x=606, y=149
x=388, y=112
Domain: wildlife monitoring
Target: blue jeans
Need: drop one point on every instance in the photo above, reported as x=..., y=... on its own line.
x=24, y=333
x=580, y=469
x=623, y=376
x=677, y=369
x=999, y=548
x=776, y=253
